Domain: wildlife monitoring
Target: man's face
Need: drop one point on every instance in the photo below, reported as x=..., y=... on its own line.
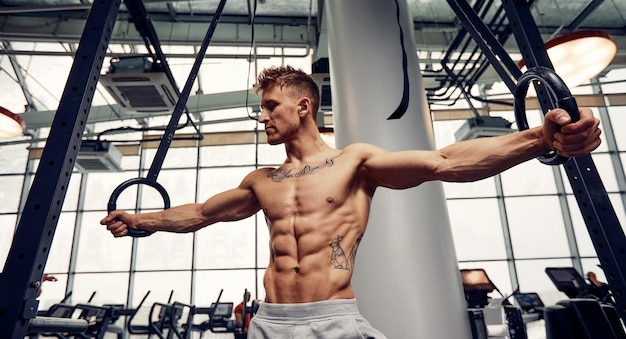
x=279, y=114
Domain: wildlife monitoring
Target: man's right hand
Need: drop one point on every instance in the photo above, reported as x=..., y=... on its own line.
x=118, y=223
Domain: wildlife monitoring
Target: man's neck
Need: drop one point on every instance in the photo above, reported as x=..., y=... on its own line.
x=303, y=149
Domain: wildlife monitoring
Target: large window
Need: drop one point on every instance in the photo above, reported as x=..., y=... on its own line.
x=513, y=225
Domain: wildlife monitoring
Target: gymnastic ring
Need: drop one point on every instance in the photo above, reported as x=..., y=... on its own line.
x=112, y=205
x=560, y=92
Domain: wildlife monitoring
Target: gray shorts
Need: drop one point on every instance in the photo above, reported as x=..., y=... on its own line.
x=329, y=319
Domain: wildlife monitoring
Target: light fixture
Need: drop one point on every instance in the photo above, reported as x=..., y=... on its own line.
x=11, y=124
x=579, y=56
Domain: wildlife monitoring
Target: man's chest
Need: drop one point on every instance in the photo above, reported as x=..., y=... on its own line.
x=298, y=196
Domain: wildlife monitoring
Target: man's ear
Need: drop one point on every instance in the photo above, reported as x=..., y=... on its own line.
x=304, y=105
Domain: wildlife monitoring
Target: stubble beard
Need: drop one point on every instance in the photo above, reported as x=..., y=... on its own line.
x=277, y=138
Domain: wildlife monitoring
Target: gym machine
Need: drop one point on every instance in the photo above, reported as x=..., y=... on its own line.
x=220, y=314
x=588, y=313
x=177, y=320
x=495, y=318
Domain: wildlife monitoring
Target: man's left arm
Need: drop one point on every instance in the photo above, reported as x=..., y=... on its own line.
x=477, y=159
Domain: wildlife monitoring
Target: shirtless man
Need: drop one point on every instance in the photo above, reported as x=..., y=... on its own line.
x=317, y=202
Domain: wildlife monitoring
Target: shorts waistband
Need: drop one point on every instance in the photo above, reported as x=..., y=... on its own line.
x=301, y=311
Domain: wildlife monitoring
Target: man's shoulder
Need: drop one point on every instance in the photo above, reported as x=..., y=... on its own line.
x=256, y=176
x=362, y=149
x=261, y=172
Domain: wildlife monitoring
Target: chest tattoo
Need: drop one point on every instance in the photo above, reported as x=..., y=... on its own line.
x=280, y=174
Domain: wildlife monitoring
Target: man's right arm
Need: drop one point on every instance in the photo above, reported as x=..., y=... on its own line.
x=231, y=205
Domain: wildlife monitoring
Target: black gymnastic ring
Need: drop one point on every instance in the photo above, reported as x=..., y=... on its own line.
x=560, y=92
x=112, y=205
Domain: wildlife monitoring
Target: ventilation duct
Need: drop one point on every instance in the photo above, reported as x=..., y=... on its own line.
x=139, y=85
x=483, y=126
x=98, y=156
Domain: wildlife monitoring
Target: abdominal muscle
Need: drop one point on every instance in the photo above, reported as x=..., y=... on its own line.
x=312, y=265
x=292, y=286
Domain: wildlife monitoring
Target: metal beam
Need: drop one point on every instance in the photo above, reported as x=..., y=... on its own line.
x=21, y=80
x=236, y=99
x=584, y=14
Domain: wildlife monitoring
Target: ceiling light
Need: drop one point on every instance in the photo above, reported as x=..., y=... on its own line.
x=11, y=125
x=579, y=56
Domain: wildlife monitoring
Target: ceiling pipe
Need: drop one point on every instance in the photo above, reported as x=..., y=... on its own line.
x=40, y=9
x=169, y=55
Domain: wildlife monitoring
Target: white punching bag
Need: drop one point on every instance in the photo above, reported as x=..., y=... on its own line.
x=406, y=277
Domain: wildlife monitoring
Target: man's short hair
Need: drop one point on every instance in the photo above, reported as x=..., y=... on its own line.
x=295, y=79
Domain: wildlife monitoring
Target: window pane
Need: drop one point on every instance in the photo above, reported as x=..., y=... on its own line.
x=605, y=169
x=583, y=241
x=61, y=248
x=618, y=118
x=233, y=282
x=225, y=245
x=48, y=71
x=7, y=229
x=444, y=131
x=477, y=229
x=263, y=241
x=476, y=189
x=130, y=162
x=227, y=120
x=622, y=157
x=180, y=186
x=101, y=185
x=215, y=180
x=260, y=287
x=160, y=285
x=613, y=77
x=164, y=251
x=209, y=70
x=13, y=158
x=98, y=250
x=109, y=288
x=70, y=203
x=10, y=193
x=227, y=155
x=618, y=206
x=531, y=177
x=533, y=278
x=12, y=94
x=536, y=226
x=176, y=157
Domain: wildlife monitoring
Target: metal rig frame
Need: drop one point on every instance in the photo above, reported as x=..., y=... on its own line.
x=593, y=201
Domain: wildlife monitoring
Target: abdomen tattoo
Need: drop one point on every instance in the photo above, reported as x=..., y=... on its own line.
x=338, y=257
